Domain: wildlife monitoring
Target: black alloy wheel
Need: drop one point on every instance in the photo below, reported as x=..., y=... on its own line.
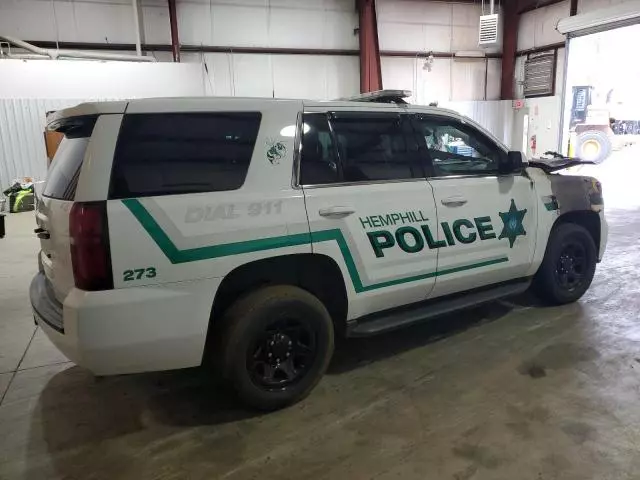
x=568, y=265
x=571, y=266
x=274, y=345
x=282, y=354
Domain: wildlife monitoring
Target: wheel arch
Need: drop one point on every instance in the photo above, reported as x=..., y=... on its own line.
x=588, y=219
x=316, y=273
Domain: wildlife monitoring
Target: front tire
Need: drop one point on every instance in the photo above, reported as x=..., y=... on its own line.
x=568, y=266
x=276, y=344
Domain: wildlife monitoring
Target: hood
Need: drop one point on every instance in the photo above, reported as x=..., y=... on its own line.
x=549, y=165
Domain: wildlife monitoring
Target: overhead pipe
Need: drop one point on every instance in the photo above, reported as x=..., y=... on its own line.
x=56, y=54
x=173, y=23
x=136, y=27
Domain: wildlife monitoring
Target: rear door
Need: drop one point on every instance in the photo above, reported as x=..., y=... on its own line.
x=367, y=200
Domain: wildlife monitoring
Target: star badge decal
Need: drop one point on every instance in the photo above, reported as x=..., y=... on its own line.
x=512, y=221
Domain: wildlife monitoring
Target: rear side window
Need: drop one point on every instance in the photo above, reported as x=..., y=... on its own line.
x=169, y=154
x=62, y=179
x=318, y=164
x=375, y=148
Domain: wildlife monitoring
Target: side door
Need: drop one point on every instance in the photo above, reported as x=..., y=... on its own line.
x=486, y=221
x=367, y=196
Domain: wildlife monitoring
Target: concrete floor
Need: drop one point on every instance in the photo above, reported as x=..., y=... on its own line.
x=507, y=391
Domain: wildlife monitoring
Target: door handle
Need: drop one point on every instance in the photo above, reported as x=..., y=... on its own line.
x=454, y=201
x=44, y=235
x=336, y=212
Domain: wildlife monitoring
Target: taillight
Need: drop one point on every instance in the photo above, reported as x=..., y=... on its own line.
x=90, y=255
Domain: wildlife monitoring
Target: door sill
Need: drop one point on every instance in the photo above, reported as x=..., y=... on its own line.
x=406, y=315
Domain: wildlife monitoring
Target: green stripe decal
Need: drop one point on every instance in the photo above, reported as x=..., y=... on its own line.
x=215, y=251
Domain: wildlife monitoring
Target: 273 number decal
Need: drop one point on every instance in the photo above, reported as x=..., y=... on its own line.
x=138, y=273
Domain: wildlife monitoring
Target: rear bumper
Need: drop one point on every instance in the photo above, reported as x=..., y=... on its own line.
x=46, y=306
x=128, y=330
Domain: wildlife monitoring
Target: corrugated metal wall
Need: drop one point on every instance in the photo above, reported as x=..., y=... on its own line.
x=22, y=149
x=495, y=116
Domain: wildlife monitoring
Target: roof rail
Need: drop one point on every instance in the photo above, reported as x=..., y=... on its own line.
x=381, y=96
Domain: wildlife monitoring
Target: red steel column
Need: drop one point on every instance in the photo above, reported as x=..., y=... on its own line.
x=370, y=74
x=173, y=22
x=573, y=8
x=509, y=48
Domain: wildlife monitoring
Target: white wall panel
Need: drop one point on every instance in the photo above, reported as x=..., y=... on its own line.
x=468, y=79
x=194, y=23
x=589, y=5
x=434, y=86
x=283, y=76
x=240, y=26
x=424, y=26
x=302, y=23
x=494, y=78
x=448, y=79
x=252, y=75
x=495, y=116
x=398, y=73
x=343, y=77
x=538, y=27
x=87, y=79
x=22, y=149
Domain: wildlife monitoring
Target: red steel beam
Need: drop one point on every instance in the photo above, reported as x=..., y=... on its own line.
x=573, y=8
x=509, y=49
x=525, y=6
x=173, y=22
x=370, y=72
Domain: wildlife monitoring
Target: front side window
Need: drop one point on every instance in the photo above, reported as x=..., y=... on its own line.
x=456, y=148
x=175, y=153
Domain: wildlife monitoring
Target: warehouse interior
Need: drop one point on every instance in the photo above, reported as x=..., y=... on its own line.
x=506, y=390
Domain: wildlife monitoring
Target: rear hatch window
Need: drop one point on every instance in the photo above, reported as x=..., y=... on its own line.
x=176, y=153
x=62, y=179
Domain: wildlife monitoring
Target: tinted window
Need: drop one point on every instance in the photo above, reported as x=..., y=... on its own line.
x=64, y=172
x=375, y=148
x=165, y=154
x=318, y=161
x=458, y=149
x=62, y=179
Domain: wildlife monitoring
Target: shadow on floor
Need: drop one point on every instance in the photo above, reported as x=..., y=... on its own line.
x=356, y=352
x=76, y=407
x=76, y=412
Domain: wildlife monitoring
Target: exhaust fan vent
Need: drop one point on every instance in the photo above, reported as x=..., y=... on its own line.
x=488, y=30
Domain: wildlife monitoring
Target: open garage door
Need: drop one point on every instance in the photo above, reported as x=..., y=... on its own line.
x=601, y=112
x=616, y=16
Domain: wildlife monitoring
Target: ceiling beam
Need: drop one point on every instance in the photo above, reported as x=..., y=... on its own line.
x=525, y=6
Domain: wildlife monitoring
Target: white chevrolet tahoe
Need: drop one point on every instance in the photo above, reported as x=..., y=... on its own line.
x=251, y=232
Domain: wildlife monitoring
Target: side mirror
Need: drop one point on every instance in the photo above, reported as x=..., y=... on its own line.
x=511, y=163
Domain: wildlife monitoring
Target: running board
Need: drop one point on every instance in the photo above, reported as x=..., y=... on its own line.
x=404, y=316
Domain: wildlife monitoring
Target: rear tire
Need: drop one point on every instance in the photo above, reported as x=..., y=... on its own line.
x=593, y=146
x=568, y=266
x=276, y=344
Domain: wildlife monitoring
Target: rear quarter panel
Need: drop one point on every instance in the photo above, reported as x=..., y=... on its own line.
x=207, y=235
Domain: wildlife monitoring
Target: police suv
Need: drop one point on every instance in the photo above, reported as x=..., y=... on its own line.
x=249, y=233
